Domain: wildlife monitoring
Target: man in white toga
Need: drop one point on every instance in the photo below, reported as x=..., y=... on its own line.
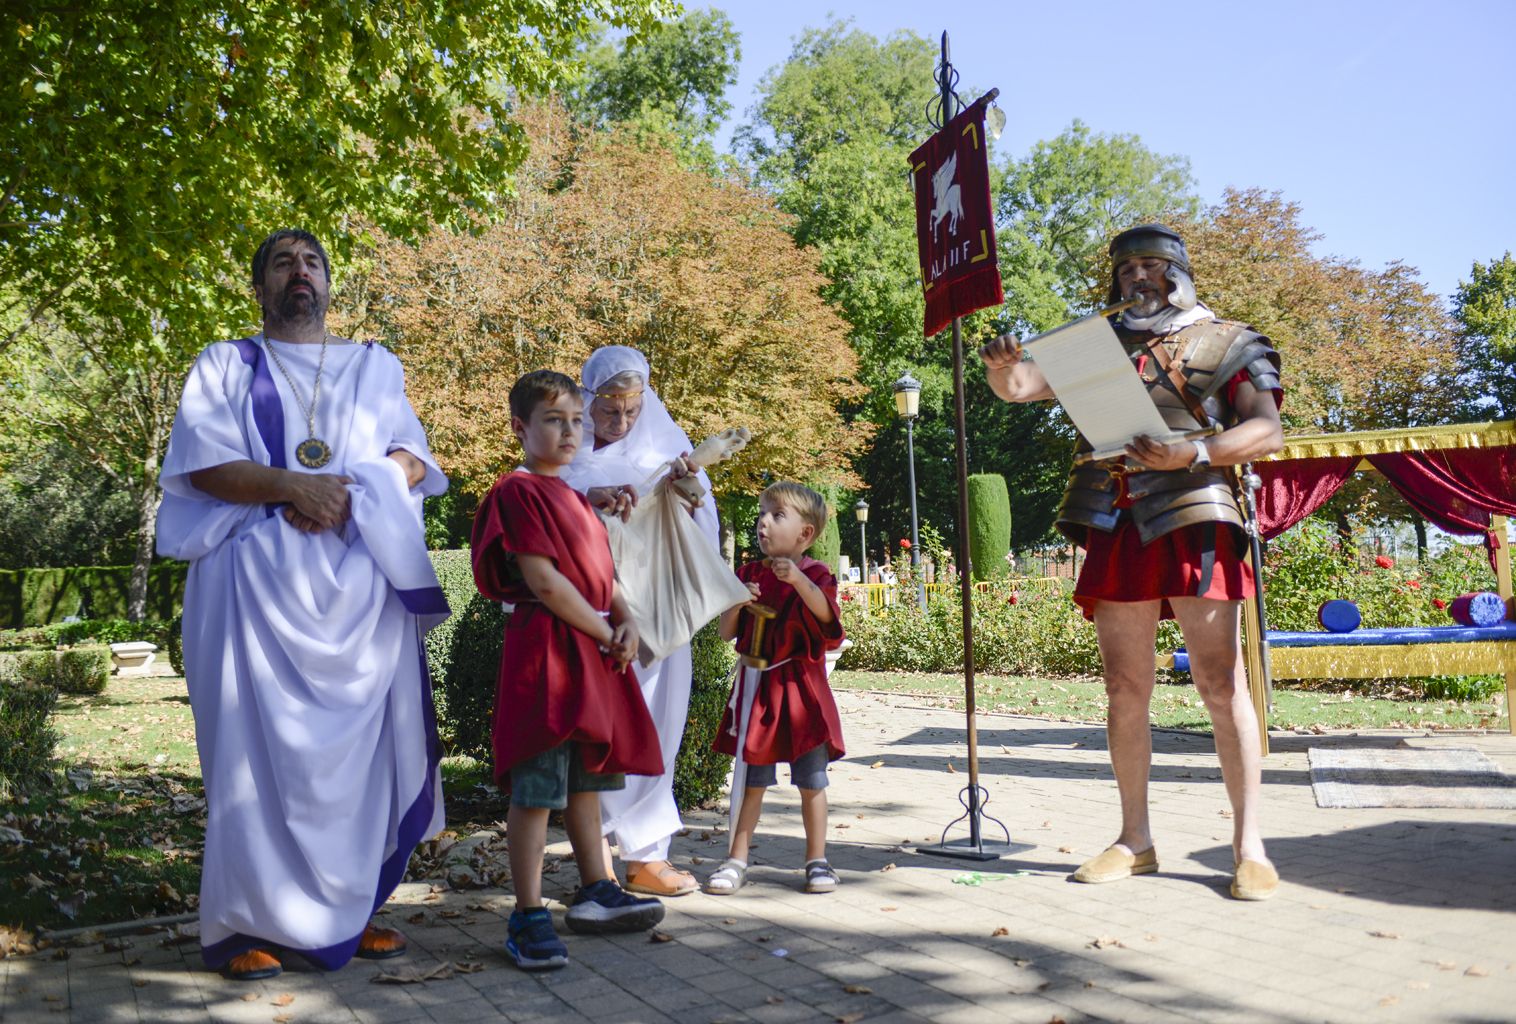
x=292, y=484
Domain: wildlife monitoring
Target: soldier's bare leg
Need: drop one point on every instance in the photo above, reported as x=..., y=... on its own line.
x=1210, y=636
x=1126, y=630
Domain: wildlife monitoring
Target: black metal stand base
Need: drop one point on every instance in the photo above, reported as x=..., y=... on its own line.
x=974, y=846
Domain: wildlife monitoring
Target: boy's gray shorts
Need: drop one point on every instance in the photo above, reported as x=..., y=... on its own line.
x=808, y=771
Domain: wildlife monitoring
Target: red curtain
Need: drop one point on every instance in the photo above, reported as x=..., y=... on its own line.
x=1457, y=489
x=1293, y=490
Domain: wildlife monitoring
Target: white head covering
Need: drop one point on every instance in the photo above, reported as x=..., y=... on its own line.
x=654, y=440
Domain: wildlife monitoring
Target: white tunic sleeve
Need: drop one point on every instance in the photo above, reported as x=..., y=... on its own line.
x=208, y=431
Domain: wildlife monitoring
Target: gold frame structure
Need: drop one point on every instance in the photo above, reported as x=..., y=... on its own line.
x=1386, y=661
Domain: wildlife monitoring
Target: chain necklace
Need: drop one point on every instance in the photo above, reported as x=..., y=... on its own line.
x=312, y=453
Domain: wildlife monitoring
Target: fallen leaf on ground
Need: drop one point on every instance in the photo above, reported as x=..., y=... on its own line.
x=1384, y=935
x=858, y=990
x=250, y=997
x=888, y=867
x=999, y=932
x=283, y=999
x=1065, y=849
x=951, y=768
x=139, y=982
x=773, y=1000
x=1419, y=986
x=728, y=920
x=1476, y=971
x=1446, y=965
x=888, y=910
x=848, y=1018
x=1225, y=813
x=415, y=975
x=282, y=1018
x=1150, y=937
x=877, y=764
x=468, y=967
x=1389, y=1000
x=660, y=937
x=1105, y=942
x=1021, y=962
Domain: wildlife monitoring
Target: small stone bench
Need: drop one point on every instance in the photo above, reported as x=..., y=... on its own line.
x=134, y=658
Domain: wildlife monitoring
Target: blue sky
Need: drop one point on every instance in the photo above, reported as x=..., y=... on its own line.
x=1392, y=124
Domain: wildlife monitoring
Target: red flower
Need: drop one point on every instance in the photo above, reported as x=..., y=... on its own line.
x=1439, y=603
x=845, y=596
x=1384, y=561
x=1413, y=584
x=1013, y=598
x=905, y=543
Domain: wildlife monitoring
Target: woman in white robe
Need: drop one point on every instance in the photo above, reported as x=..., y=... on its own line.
x=634, y=437
x=302, y=650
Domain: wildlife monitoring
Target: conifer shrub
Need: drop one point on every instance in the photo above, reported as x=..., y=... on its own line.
x=989, y=525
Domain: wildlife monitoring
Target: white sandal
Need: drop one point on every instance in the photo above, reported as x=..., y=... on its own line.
x=727, y=879
x=819, y=876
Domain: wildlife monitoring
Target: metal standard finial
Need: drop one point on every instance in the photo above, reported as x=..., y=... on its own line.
x=946, y=103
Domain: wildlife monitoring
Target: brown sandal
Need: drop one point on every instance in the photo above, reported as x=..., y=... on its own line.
x=380, y=943
x=659, y=878
x=254, y=965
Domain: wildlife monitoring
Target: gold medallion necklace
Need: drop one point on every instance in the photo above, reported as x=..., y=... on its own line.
x=312, y=453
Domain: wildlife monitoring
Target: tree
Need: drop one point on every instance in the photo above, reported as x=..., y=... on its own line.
x=150, y=146
x=1060, y=206
x=674, y=76
x=1485, y=309
x=611, y=241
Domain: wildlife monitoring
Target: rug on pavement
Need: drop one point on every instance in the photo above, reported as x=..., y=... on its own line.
x=1409, y=777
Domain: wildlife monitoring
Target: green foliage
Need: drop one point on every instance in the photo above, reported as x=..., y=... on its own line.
x=174, y=641
x=463, y=656
x=700, y=772
x=449, y=519
x=1062, y=203
x=54, y=513
x=84, y=669
x=989, y=525
x=26, y=738
x=675, y=76
x=1485, y=308
x=31, y=597
x=1017, y=632
x=829, y=545
x=391, y=112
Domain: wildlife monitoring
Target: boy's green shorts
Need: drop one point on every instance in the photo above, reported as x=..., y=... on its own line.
x=547, y=779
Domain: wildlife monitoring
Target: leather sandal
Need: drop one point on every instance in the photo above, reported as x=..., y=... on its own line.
x=1254, y=880
x=380, y=943
x=658, y=878
x=728, y=878
x=1115, y=864
x=254, y=965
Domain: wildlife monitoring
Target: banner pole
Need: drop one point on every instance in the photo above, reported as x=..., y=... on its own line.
x=974, y=796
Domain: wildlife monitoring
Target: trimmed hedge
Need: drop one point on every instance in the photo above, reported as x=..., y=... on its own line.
x=989, y=525
x=26, y=739
x=700, y=772
x=71, y=670
x=36, y=597
x=828, y=545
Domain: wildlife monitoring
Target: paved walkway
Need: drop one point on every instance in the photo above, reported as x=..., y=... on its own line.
x=1384, y=915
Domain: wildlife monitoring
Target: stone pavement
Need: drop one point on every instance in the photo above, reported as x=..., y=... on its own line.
x=1385, y=915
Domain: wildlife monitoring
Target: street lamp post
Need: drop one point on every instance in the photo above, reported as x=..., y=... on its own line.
x=908, y=405
x=861, y=510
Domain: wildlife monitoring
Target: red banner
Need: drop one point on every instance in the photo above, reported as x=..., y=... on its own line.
x=955, y=222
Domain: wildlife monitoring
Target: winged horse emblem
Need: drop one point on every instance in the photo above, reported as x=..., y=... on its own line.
x=947, y=198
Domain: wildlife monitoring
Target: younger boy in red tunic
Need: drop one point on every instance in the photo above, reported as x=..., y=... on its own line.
x=781, y=707
x=569, y=718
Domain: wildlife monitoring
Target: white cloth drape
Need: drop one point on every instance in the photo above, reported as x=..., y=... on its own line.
x=303, y=652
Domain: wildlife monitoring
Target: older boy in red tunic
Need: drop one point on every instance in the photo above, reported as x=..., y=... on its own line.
x=781, y=707
x=569, y=719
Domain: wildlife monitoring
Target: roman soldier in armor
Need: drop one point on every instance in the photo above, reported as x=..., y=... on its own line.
x=1163, y=534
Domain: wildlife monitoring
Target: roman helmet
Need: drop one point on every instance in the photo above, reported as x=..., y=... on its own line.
x=1163, y=243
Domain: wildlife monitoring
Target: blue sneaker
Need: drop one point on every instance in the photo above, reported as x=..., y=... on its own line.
x=606, y=907
x=533, y=943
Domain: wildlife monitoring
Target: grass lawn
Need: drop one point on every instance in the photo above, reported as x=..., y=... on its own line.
x=1179, y=707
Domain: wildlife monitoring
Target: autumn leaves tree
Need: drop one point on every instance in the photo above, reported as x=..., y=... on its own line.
x=610, y=241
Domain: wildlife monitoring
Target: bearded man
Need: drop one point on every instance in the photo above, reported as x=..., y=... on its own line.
x=292, y=484
x=1164, y=535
